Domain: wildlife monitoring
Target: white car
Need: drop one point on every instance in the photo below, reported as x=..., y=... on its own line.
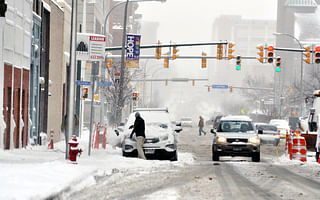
x=282, y=126
x=186, y=122
x=268, y=133
x=160, y=141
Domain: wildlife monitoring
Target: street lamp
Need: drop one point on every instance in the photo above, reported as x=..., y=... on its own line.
x=121, y=81
x=301, y=66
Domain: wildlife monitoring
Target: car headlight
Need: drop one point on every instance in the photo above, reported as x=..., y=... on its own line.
x=164, y=137
x=254, y=140
x=221, y=139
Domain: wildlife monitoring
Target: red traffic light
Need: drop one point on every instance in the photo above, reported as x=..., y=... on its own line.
x=134, y=94
x=270, y=48
x=317, y=48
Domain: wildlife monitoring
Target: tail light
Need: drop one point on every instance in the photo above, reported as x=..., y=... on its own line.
x=214, y=123
x=278, y=132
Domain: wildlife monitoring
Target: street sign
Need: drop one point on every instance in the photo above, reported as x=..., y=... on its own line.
x=108, y=83
x=83, y=83
x=90, y=46
x=133, y=51
x=220, y=86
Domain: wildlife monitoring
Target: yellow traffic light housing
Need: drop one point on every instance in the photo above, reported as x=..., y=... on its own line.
x=166, y=61
x=109, y=63
x=261, y=53
x=174, y=53
x=85, y=92
x=230, y=50
x=158, y=51
x=204, y=60
x=219, y=51
x=307, y=54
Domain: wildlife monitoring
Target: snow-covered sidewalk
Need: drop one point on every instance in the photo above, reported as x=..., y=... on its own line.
x=37, y=172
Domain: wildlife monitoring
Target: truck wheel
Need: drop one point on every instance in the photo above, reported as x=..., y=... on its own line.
x=317, y=156
x=256, y=157
x=215, y=156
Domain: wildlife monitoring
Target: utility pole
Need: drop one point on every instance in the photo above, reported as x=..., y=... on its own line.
x=122, y=69
x=71, y=88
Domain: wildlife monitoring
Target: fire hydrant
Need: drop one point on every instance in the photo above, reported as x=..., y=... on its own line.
x=74, y=150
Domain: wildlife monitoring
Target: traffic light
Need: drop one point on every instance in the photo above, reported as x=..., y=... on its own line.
x=158, y=51
x=278, y=64
x=270, y=54
x=230, y=50
x=134, y=96
x=261, y=53
x=204, y=60
x=209, y=88
x=307, y=54
x=174, y=53
x=219, y=51
x=238, y=63
x=166, y=61
x=317, y=55
x=96, y=97
x=109, y=63
x=85, y=92
x=230, y=88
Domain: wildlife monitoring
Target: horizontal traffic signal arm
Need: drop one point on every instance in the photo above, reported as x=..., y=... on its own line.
x=182, y=57
x=169, y=45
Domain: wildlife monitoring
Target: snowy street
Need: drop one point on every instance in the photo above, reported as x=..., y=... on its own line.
x=232, y=177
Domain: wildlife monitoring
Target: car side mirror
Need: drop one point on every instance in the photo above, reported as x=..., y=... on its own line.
x=260, y=131
x=178, y=129
x=213, y=131
x=178, y=124
x=131, y=127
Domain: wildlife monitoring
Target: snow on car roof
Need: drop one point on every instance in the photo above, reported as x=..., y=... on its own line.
x=151, y=117
x=236, y=118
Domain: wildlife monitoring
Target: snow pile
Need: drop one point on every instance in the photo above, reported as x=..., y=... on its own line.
x=38, y=172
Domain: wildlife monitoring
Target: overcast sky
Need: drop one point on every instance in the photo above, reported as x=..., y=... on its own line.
x=191, y=20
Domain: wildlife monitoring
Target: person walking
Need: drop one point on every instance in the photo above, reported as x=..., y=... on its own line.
x=201, y=125
x=138, y=129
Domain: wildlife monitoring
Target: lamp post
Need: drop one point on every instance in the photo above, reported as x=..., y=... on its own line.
x=301, y=66
x=121, y=81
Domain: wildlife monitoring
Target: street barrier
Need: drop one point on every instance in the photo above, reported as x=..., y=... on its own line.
x=93, y=135
x=50, y=145
x=97, y=136
x=104, y=139
x=299, y=148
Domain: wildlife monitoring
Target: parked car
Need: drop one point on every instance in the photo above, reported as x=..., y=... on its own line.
x=268, y=134
x=160, y=141
x=186, y=122
x=235, y=136
x=282, y=126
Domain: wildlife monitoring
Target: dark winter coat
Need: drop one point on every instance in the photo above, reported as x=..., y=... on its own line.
x=138, y=128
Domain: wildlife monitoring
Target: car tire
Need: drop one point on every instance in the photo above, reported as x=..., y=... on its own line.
x=125, y=154
x=174, y=157
x=317, y=156
x=256, y=157
x=215, y=156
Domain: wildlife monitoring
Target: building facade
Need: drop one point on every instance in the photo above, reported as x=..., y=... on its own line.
x=16, y=56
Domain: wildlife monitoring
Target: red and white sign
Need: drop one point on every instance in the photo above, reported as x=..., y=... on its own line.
x=90, y=46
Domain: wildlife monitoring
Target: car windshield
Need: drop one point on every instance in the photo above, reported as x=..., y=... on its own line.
x=267, y=128
x=235, y=126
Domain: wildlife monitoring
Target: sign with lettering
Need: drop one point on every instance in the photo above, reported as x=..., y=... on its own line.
x=90, y=46
x=133, y=51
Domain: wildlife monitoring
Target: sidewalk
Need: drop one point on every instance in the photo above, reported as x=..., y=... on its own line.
x=38, y=172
